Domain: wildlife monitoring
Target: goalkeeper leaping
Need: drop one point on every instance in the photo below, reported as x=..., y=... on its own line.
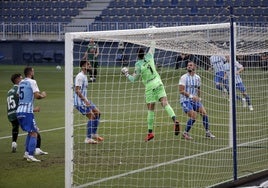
x=154, y=88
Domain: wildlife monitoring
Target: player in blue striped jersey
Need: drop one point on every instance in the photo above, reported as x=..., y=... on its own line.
x=217, y=63
x=238, y=83
x=28, y=91
x=85, y=106
x=189, y=89
x=12, y=105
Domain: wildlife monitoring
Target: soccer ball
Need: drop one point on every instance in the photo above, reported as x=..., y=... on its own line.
x=152, y=26
x=151, y=35
x=58, y=67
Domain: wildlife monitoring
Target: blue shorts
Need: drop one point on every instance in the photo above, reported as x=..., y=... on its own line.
x=27, y=122
x=86, y=109
x=219, y=77
x=190, y=105
x=240, y=87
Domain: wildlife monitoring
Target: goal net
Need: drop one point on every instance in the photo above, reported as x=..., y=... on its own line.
x=124, y=159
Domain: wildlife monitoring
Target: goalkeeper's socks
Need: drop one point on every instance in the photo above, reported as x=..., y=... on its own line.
x=205, y=122
x=169, y=110
x=32, y=145
x=90, y=125
x=150, y=119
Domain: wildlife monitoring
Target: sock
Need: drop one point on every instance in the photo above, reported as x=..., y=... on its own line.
x=95, y=125
x=32, y=145
x=38, y=142
x=169, y=110
x=189, y=125
x=218, y=86
x=27, y=143
x=173, y=118
x=205, y=122
x=248, y=99
x=90, y=125
x=15, y=133
x=90, y=73
x=150, y=120
x=238, y=98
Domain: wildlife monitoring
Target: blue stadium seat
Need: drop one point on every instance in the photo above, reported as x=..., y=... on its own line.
x=174, y=2
x=149, y=2
x=133, y=11
x=139, y=3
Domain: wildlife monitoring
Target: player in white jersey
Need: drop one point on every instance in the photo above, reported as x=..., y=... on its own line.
x=217, y=63
x=239, y=85
x=189, y=89
x=85, y=106
x=28, y=91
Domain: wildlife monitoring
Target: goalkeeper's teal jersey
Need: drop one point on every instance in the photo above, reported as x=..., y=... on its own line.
x=146, y=69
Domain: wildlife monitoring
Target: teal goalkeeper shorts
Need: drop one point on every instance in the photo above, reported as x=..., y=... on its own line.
x=154, y=95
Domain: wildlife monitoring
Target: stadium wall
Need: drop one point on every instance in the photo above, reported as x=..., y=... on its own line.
x=29, y=52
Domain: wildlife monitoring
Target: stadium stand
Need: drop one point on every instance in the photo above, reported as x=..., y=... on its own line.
x=75, y=13
x=48, y=20
x=40, y=11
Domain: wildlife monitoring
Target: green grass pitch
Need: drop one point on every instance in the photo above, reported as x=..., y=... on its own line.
x=183, y=164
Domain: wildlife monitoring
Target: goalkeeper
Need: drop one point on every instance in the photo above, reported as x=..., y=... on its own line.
x=154, y=88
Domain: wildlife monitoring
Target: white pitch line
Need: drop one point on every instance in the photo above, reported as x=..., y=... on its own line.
x=48, y=130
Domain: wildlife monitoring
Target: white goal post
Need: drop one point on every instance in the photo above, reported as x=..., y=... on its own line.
x=123, y=158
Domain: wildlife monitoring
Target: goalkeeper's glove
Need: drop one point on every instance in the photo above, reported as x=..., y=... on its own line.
x=124, y=71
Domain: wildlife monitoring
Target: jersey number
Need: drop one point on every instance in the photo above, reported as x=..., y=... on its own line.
x=21, y=93
x=11, y=103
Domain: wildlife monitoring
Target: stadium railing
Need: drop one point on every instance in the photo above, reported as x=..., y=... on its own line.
x=49, y=31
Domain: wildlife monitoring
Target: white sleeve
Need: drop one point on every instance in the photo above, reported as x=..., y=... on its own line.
x=182, y=80
x=34, y=86
x=78, y=80
x=238, y=65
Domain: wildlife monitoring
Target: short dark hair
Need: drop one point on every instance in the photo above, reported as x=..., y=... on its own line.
x=82, y=62
x=140, y=53
x=27, y=70
x=14, y=77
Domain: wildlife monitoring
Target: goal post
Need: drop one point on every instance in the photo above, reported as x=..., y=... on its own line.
x=123, y=158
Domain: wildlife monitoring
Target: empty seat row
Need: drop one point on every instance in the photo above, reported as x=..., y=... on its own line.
x=188, y=18
x=188, y=3
x=164, y=11
x=43, y=4
x=40, y=12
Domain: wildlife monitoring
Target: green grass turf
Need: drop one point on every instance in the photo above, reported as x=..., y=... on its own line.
x=124, y=127
x=14, y=170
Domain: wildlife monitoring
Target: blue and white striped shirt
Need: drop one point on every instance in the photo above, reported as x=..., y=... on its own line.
x=192, y=85
x=227, y=68
x=26, y=90
x=82, y=82
x=217, y=63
